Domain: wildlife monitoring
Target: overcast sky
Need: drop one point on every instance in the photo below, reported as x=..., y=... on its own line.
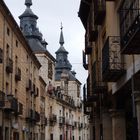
x=51, y=13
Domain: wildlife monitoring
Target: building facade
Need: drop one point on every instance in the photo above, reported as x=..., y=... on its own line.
x=19, y=84
x=111, y=56
x=35, y=104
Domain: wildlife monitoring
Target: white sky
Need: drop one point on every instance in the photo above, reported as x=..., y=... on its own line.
x=51, y=13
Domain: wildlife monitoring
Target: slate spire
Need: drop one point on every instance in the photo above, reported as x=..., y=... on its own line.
x=62, y=62
x=61, y=41
x=28, y=25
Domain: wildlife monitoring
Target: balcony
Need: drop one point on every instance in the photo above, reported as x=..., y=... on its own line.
x=2, y=99
x=18, y=74
x=112, y=60
x=61, y=121
x=11, y=104
x=1, y=55
x=80, y=125
x=30, y=115
x=52, y=119
x=85, y=64
x=9, y=65
x=65, y=99
x=99, y=11
x=129, y=27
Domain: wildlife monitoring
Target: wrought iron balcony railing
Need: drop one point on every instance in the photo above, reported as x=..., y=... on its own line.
x=112, y=60
x=61, y=121
x=11, y=104
x=33, y=116
x=9, y=65
x=65, y=99
x=129, y=27
x=30, y=115
x=53, y=118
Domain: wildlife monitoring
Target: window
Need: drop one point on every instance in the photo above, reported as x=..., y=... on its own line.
x=60, y=137
x=51, y=136
x=8, y=31
x=7, y=88
x=7, y=50
x=16, y=43
x=72, y=137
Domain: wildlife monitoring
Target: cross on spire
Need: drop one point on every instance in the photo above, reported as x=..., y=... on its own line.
x=61, y=41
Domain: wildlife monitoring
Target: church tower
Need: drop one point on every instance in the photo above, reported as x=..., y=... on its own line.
x=62, y=62
x=28, y=25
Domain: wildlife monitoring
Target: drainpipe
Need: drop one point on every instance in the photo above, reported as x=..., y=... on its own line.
x=135, y=123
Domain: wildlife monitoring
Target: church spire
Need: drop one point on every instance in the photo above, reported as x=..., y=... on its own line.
x=28, y=3
x=61, y=41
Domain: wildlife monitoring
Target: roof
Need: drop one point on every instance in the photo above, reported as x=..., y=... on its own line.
x=84, y=11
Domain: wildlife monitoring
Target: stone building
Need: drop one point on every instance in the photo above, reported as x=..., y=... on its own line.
x=19, y=82
x=64, y=107
x=36, y=103
x=111, y=56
